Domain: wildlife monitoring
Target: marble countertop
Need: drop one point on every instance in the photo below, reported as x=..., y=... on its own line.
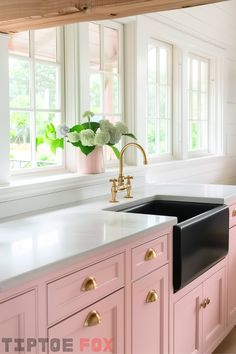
x=34, y=244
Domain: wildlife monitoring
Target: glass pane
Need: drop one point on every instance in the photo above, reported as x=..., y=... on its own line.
x=20, y=147
x=19, y=76
x=111, y=94
x=204, y=106
x=204, y=77
x=44, y=156
x=195, y=136
x=152, y=100
x=151, y=137
x=195, y=77
x=111, y=45
x=152, y=63
x=194, y=105
x=94, y=46
x=47, y=86
x=163, y=107
x=46, y=44
x=163, y=66
x=96, y=90
x=19, y=43
x=163, y=136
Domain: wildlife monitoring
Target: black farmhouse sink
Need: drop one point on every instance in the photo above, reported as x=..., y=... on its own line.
x=200, y=238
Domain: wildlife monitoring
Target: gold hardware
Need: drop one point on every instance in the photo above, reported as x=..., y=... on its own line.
x=89, y=284
x=114, y=191
x=152, y=296
x=206, y=302
x=150, y=254
x=234, y=213
x=124, y=183
x=93, y=319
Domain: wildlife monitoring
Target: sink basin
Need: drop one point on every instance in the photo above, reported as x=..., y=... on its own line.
x=200, y=238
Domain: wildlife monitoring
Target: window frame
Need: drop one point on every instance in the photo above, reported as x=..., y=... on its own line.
x=33, y=110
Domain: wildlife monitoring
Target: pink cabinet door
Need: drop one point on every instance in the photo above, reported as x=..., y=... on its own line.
x=231, y=277
x=18, y=321
x=188, y=323
x=150, y=313
x=214, y=310
x=97, y=329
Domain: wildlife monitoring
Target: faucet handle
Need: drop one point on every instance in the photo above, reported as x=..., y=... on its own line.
x=128, y=178
x=128, y=186
x=114, y=190
x=113, y=181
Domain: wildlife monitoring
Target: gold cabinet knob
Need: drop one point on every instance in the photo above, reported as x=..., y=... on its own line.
x=93, y=319
x=204, y=304
x=89, y=284
x=150, y=254
x=234, y=213
x=152, y=296
x=208, y=301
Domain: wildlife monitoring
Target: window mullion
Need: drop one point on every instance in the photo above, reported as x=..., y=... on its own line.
x=33, y=101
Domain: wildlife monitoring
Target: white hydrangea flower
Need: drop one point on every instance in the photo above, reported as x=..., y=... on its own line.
x=105, y=124
x=121, y=127
x=87, y=137
x=115, y=135
x=62, y=131
x=102, y=137
x=73, y=137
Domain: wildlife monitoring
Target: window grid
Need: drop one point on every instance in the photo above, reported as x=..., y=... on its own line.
x=198, y=104
x=159, y=99
x=34, y=162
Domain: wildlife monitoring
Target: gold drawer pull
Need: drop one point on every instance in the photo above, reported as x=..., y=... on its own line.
x=150, y=254
x=234, y=213
x=93, y=319
x=152, y=296
x=89, y=284
x=206, y=302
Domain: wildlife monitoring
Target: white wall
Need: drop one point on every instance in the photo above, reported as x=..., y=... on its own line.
x=212, y=28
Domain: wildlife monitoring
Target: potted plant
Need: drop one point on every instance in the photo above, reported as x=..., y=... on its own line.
x=89, y=137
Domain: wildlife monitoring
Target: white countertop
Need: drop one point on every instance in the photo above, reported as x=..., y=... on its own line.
x=32, y=244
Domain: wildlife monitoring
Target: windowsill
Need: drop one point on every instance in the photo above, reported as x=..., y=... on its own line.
x=24, y=186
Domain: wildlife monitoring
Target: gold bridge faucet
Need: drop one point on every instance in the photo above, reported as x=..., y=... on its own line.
x=123, y=183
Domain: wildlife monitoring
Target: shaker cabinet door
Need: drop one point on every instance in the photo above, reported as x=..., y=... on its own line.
x=150, y=313
x=231, y=277
x=188, y=323
x=18, y=322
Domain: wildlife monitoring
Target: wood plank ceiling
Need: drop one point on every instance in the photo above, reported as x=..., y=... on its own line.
x=20, y=15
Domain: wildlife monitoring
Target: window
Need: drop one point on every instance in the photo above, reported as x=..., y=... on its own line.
x=159, y=99
x=198, y=104
x=35, y=95
x=105, y=63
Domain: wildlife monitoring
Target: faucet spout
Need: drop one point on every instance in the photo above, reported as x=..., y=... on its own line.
x=138, y=146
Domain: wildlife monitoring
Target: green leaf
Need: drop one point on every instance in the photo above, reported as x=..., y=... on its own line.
x=115, y=150
x=50, y=132
x=130, y=135
x=79, y=127
x=57, y=143
x=39, y=140
x=85, y=149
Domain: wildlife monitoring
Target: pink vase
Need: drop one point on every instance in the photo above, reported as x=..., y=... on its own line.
x=92, y=163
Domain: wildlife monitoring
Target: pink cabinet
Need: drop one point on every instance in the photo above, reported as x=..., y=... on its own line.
x=97, y=328
x=18, y=322
x=231, y=277
x=150, y=313
x=199, y=316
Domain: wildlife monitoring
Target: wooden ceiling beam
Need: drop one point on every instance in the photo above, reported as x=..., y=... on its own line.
x=18, y=16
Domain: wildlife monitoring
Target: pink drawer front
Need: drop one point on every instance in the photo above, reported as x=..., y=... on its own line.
x=78, y=290
x=232, y=215
x=149, y=256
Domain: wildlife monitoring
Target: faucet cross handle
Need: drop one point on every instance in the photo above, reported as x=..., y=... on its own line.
x=128, y=186
x=114, y=190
